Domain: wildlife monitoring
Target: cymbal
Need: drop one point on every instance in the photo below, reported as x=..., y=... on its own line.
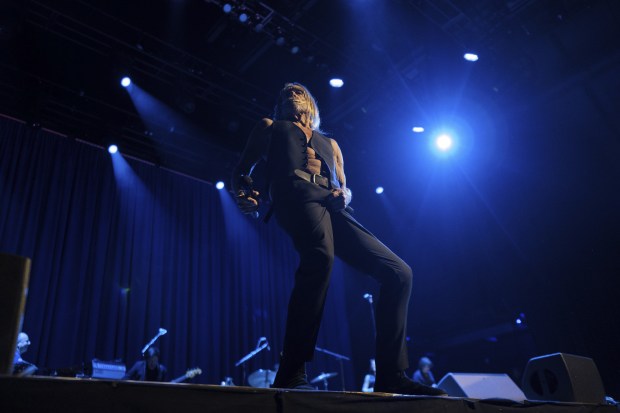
x=262, y=378
x=323, y=376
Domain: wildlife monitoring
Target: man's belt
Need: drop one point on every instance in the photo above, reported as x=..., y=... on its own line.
x=314, y=178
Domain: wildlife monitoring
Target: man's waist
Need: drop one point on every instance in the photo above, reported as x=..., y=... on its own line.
x=313, y=178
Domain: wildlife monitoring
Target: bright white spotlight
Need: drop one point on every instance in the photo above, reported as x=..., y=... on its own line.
x=112, y=149
x=471, y=57
x=125, y=82
x=219, y=185
x=443, y=142
x=418, y=129
x=379, y=190
x=336, y=82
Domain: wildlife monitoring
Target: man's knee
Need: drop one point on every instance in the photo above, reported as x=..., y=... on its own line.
x=398, y=275
x=405, y=275
x=318, y=261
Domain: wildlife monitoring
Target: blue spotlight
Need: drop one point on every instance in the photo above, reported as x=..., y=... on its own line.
x=379, y=190
x=418, y=129
x=243, y=17
x=112, y=149
x=227, y=8
x=443, y=142
x=219, y=185
x=125, y=82
x=470, y=57
x=336, y=82
x=294, y=49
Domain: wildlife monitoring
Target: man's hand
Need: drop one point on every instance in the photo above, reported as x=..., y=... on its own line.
x=339, y=199
x=247, y=203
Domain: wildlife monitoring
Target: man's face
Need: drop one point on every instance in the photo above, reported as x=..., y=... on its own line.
x=153, y=362
x=293, y=101
x=23, y=341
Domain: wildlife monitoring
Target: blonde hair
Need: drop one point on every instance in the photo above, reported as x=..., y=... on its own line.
x=313, y=111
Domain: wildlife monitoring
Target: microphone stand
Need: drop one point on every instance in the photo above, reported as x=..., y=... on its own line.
x=368, y=297
x=160, y=333
x=340, y=359
x=249, y=356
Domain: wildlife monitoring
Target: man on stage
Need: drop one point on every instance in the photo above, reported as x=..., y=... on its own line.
x=20, y=366
x=149, y=369
x=307, y=186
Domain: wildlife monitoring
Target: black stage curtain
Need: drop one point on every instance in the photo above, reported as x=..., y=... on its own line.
x=120, y=249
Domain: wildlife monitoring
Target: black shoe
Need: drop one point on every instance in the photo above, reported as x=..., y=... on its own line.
x=401, y=384
x=292, y=377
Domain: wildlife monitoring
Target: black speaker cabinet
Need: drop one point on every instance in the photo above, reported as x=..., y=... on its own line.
x=14, y=275
x=481, y=386
x=563, y=377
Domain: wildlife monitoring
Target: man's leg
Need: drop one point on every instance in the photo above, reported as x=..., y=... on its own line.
x=309, y=226
x=363, y=251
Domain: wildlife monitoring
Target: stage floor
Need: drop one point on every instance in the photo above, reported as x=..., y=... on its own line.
x=52, y=394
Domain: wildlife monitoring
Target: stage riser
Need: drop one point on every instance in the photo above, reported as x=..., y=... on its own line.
x=37, y=394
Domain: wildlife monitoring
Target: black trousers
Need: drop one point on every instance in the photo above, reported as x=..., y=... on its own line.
x=319, y=235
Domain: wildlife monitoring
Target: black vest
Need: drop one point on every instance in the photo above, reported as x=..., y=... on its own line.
x=288, y=150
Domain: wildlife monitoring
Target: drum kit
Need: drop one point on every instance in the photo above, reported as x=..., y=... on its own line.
x=264, y=378
x=323, y=377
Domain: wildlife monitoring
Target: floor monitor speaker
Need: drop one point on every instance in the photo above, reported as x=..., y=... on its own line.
x=481, y=386
x=563, y=377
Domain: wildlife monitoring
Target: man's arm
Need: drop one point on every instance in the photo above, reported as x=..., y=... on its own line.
x=253, y=152
x=133, y=373
x=339, y=162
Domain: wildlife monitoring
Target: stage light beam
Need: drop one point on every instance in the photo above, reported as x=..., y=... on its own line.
x=113, y=149
x=470, y=57
x=444, y=142
x=336, y=82
x=379, y=190
x=126, y=81
x=418, y=129
x=219, y=185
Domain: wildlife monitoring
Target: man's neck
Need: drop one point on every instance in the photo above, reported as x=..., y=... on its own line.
x=303, y=120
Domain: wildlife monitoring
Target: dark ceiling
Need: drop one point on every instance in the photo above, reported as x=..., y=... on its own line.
x=62, y=61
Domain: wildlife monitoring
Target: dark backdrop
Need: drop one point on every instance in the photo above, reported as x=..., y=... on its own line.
x=116, y=257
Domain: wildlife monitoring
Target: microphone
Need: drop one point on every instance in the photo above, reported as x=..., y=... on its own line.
x=263, y=339
x=162, y=331
x=368, y=297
